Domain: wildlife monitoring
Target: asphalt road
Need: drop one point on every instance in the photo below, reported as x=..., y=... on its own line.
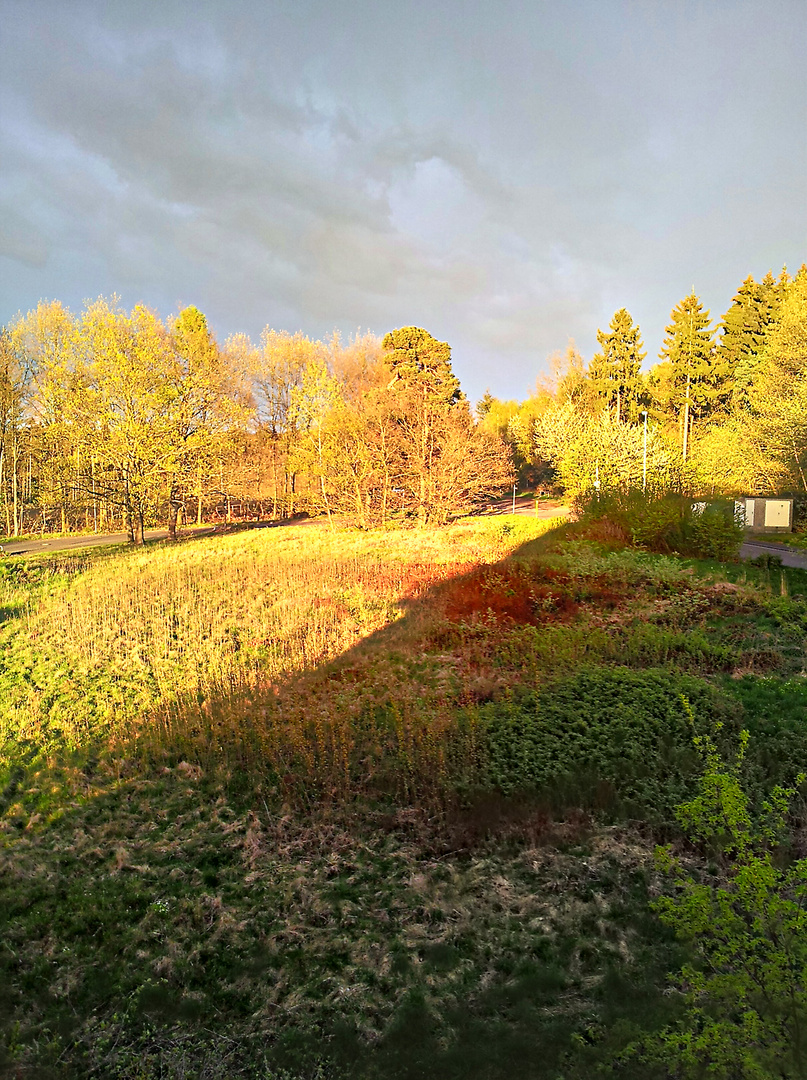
x=526, y=507
x=752, y=549
x=63, y=543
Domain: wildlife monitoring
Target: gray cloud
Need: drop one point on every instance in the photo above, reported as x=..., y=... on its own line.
x=507, y=175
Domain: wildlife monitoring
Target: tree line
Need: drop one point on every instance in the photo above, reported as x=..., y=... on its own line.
x=115, y=419
x=723, y=411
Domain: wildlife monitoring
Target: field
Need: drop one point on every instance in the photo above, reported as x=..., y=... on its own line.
x=300, y=803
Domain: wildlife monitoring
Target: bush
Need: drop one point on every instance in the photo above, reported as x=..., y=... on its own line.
x=663, y=521
x=614, y=741
x=744, y=991
x=712, y=533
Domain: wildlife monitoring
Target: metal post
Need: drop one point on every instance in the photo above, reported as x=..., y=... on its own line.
x=514, y=498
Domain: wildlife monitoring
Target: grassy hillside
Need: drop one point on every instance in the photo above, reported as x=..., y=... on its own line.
x=304, y=803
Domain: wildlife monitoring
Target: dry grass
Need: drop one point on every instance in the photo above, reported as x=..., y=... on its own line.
x=126, y=649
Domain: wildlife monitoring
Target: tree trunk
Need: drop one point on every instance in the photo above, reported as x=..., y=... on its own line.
x=173, y=513
x=199, y=493
x=686, y=421
x=2, y=488
x=359, y=503
x=128, y=511
x=94, y=496
x=423, y=466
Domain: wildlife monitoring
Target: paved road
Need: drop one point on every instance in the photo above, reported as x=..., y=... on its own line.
x=525, y=506
x=63, y=543
x=752, y=549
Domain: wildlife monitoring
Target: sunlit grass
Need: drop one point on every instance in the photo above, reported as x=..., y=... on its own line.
x=108, y=649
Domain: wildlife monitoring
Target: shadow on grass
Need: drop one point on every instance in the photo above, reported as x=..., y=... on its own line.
x=298, y=848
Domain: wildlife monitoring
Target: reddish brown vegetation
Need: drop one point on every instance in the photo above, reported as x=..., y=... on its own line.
x=418, y=578
x=524, y=595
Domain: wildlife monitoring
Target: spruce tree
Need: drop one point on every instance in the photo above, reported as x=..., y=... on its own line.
x=484, y=405
x=743, y=331
x=615, y=373
x=697, y=379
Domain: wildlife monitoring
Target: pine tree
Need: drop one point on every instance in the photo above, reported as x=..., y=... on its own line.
x=416, y=359
x=697, y=381
x=427, y=391
x=615, y=372
x=484, y=405
x=743, y=331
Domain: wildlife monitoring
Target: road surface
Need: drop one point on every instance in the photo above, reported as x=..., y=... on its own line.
x=526, y=507
x=63, y=543
x=752, y=549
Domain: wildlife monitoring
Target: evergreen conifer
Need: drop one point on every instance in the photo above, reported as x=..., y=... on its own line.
x=616, y=371
x=698, y=379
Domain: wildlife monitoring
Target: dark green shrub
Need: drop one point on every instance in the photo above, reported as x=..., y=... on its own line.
x=776, y=718
x=613, y=740
x=711, y=533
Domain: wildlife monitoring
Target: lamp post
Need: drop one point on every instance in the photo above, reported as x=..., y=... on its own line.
x=514, y=498
x=644, y=452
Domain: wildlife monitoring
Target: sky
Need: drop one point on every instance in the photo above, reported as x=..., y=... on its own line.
x=504, y=174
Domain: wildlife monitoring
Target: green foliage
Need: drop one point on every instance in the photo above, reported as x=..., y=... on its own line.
x=586, y=450
x=663, y=521
x=743, y=331
x=614, y=741
x=777, y=398
x=696, y=376
x=616, y=371
x=712, y=532
x=421, y=362
x=773, y=713
x=745, y=990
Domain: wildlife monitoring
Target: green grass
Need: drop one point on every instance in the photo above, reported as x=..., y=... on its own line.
x=294, y=803
x=158, y=916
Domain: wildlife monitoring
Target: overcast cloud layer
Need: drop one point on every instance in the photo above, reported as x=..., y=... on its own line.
x=504, y=174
